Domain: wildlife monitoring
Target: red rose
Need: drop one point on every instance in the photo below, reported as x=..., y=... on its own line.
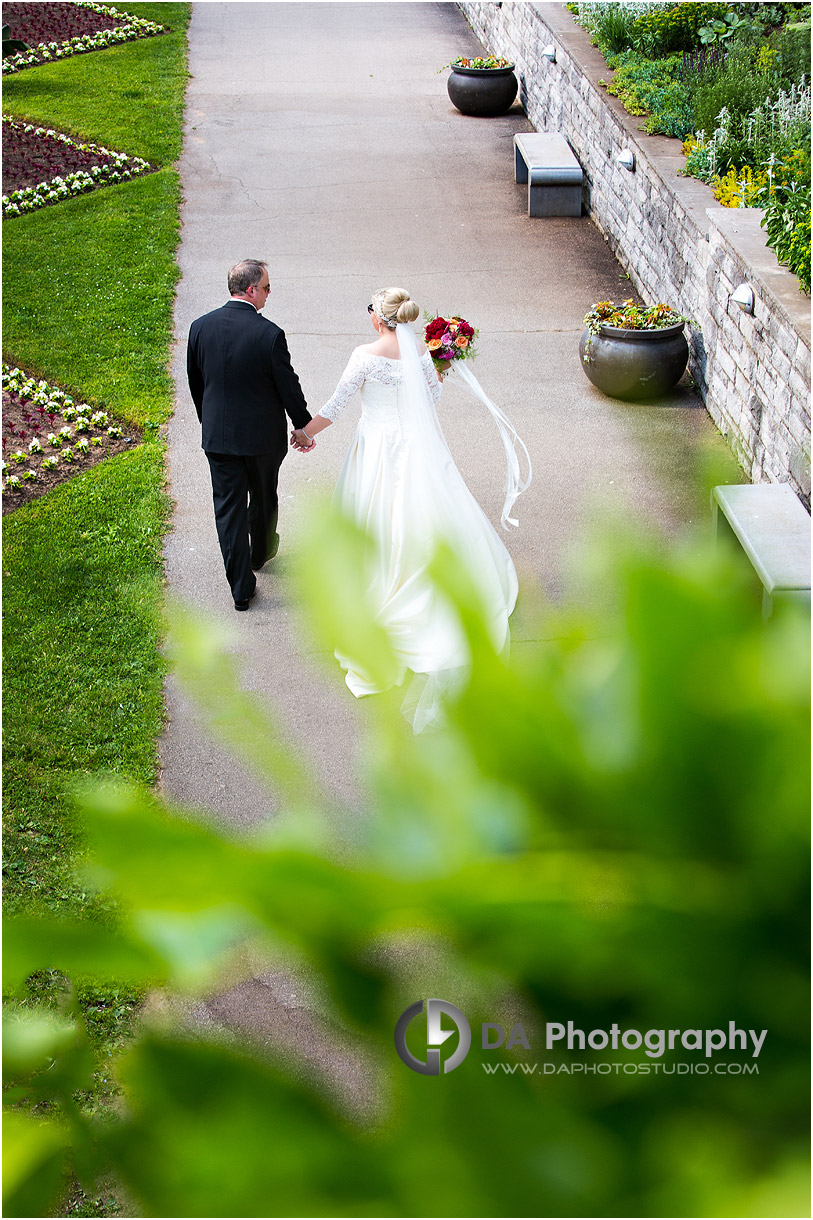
x=435, y=328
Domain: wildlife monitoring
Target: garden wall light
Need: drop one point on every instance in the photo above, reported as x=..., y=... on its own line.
x=626, y=158
x=550, y=53
x=744, y=297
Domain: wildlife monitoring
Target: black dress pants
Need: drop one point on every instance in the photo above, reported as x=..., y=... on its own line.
x=246, y=504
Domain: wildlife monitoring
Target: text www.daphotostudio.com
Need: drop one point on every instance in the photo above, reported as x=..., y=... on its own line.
x=559, y=1037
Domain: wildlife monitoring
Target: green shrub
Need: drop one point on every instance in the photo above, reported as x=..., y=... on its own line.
x=654, y=87
x=732, y=153
x=787, y=222
x=733, y=29
x=610, y=25
x=740, y=103
x=776, y=133
x=792, y=44
x=613, y=29
x=737, y=87
x=661, y=31
x=653, y=29
x=781, y=126
x=612, y=829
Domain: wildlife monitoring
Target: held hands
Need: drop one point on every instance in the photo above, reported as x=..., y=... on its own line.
x=301, y=441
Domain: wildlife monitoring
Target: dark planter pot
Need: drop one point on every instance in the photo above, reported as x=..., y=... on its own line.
x=635, y=364
x=482, y=92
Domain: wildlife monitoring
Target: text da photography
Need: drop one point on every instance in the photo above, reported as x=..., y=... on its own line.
x=424, y=1054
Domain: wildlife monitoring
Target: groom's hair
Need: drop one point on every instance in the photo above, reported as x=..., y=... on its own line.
x=244, y=274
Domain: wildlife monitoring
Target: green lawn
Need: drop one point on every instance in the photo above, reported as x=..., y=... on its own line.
x=128, y=97
x=97, y=317
x=88, y=291
x=82, y=673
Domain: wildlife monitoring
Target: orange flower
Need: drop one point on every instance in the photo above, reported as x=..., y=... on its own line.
x=434, y=344
x=461, y=342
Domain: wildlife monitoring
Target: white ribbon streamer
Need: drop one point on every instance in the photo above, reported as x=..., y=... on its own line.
x=515, y=484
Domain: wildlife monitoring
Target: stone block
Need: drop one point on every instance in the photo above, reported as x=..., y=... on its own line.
x=782, y=366
x=748, y=327
x=744, y=389
x=798, y=430
x=798, y=386
x=765, y=378
x=726, y=363
x=800, y=472
x=786, y=341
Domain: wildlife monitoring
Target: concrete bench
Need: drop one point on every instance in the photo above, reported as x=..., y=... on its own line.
x=773, y=528
x=545, y=160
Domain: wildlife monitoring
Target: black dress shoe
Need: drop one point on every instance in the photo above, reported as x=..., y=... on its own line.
x=243, y=605
x=271, y=553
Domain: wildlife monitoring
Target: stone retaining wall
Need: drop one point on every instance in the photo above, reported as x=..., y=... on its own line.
x=676, y=242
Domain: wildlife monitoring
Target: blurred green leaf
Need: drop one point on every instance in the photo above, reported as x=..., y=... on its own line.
x=217, y=1133
x=31, y=1039
x=611, y=828
x=34, y=1153
x=80, y=950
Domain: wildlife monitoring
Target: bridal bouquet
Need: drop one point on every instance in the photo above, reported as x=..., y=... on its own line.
x=449, y=339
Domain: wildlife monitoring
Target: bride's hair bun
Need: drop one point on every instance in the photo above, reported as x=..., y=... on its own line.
x=407, y=311
x=396, y=305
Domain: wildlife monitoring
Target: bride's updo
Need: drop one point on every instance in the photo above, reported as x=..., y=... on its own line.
x=394, y=305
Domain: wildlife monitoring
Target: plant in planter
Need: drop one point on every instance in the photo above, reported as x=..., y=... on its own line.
x=634, y=351
x=483, y=87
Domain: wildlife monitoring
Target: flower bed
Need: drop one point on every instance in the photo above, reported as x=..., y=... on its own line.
x=48, y=438
x=41, y=166
x=55, y=31
x=731, y=82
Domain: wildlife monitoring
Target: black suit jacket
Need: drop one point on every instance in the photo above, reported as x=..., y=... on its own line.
x=242, y=381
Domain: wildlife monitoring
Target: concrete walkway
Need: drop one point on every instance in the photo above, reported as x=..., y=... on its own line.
x=320, y=137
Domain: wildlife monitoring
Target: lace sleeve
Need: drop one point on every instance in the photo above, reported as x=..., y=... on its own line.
x=435, y=387
x=350, y=381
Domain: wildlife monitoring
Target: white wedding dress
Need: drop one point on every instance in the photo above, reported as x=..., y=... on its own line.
x=401, y=485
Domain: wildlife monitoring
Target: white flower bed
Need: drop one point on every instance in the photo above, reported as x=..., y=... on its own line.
x=120, y=168
x=132, y=27
x=46, y=451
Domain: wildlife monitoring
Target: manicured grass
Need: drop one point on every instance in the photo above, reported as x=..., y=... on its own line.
x=88, y=293
x=128, y=97
x=88, y=296
x=88, y=289
x=83, y=686
x=82, y=669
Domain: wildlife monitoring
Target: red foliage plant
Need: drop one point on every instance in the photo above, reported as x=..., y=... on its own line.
x=29, y=159
x=36, y=23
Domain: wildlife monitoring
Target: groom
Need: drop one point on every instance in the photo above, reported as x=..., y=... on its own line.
x=242, y=383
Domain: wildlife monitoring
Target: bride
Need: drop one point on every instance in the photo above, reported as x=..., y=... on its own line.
x=401, y=485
